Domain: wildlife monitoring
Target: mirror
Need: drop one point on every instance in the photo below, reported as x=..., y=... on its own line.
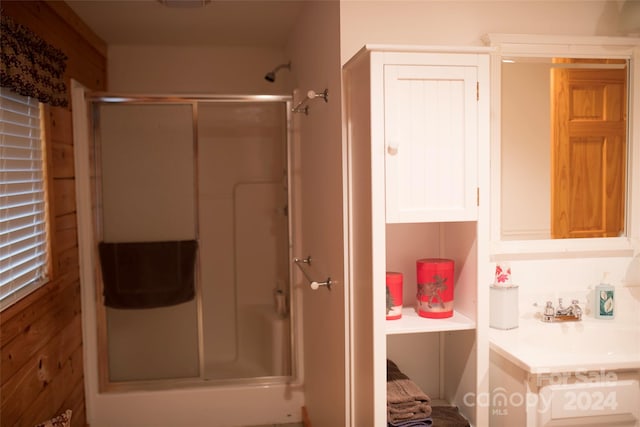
x=563, y=147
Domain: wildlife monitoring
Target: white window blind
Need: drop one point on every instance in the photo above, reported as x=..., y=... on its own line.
x=23, y=219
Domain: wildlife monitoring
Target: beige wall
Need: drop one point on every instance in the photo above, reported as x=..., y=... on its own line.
x=525, y=151
x=314, y=46
x=453, y=22
x=195, y=70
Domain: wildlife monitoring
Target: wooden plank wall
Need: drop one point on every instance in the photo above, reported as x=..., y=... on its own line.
x=41, y=366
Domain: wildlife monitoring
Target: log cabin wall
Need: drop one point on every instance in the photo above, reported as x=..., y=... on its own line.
x=41, y=366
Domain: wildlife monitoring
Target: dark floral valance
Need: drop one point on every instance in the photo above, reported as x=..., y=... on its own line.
x=30, y=66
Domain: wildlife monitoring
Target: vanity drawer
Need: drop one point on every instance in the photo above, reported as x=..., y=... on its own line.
x=613, y=403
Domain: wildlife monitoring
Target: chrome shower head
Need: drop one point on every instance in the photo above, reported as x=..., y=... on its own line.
x=271, y=75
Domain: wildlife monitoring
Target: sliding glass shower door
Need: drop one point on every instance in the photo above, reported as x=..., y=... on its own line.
x=198, y=185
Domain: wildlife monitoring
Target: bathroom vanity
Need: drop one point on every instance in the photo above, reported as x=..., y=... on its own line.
x=561, y=367
x=565, y=374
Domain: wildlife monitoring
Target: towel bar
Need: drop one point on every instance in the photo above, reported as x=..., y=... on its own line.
x=303, y=107
x=314, y=284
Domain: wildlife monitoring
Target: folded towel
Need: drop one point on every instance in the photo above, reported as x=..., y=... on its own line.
x=427, y=422
x=403, y=412
x=139, y=275
x=405, y=400
x=405, y=408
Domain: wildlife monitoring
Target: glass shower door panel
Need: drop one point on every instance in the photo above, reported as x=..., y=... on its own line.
x=243, y=195
x=147, y=183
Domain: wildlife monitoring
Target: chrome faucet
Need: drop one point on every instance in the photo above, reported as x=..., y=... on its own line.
x=571, y=313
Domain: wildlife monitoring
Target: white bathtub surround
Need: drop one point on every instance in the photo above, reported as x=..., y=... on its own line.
x=265, y=342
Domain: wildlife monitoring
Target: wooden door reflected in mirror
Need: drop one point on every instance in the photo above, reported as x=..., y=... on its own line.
x=588, y=148
x=563, y=147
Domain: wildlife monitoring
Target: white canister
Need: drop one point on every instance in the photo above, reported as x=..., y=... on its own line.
x=503, y=307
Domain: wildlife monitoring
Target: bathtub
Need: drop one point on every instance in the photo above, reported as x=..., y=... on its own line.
x=219, y=400
x=199, y=406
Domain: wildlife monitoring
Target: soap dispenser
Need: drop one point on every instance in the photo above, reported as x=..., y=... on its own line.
x=604, y=300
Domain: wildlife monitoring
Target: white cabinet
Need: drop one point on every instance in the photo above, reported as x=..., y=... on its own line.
x=431, y=129
x=580, y=397
x=417, y=157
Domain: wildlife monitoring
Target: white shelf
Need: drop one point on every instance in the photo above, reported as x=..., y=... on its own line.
x=411, y=323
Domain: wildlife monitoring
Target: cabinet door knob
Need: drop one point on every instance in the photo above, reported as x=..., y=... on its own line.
x=392, y=148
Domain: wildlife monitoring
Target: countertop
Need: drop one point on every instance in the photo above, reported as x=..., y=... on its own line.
x=586, y=345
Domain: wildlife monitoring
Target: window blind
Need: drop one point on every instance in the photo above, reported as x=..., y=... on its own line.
x=23, y=219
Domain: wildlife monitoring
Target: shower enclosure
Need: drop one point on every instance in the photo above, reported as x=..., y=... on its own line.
x=191, y=215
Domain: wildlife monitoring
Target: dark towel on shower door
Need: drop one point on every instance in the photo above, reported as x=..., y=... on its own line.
x=140, y=275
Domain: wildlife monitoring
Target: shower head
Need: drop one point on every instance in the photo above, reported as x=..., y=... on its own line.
x=271, y=75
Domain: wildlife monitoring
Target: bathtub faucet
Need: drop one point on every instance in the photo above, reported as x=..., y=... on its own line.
x=571, y=313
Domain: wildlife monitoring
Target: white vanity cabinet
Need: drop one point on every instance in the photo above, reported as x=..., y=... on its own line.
x=562, y=398
x=416, y=160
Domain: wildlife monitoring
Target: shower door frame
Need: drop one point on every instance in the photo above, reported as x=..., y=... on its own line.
x=94, y=100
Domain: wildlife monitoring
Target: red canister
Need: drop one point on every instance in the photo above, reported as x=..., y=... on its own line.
x=394, y=295
x=435, y=287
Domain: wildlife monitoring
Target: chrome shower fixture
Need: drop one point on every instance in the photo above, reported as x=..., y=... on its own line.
x=271, y=75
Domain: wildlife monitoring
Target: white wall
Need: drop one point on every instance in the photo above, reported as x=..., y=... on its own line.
x=548, y=280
